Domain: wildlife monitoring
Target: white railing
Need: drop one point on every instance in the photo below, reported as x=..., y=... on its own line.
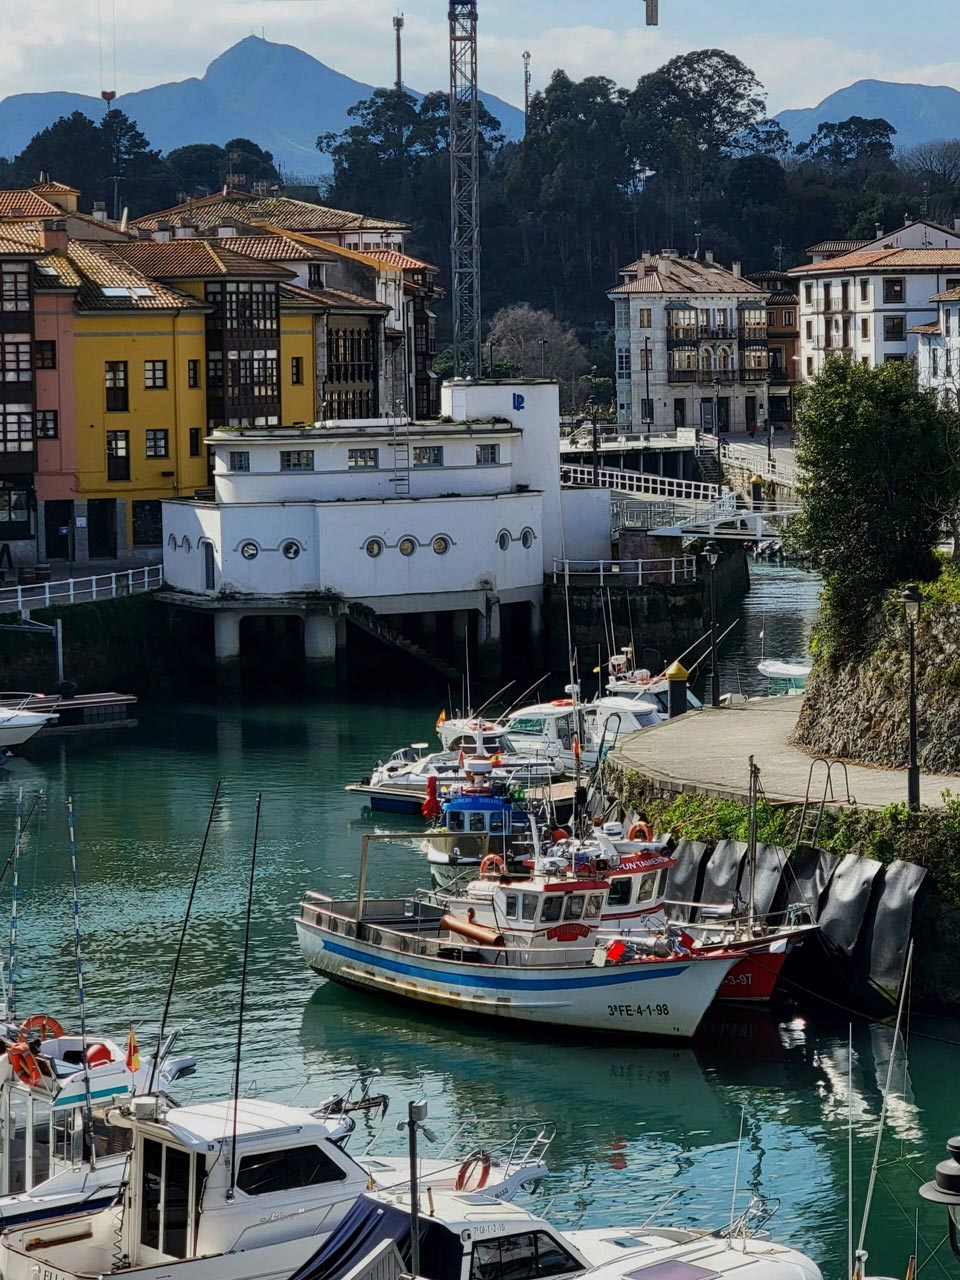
x=753, y=458
x=634, y=573
x=639, y=482
x=101, y=586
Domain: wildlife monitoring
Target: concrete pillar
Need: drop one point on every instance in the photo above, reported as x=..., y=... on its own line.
x=320, y=649
x=459, y=620
x=428, y=631
x=81, y=548
x=536, y=621
x=488, y=640
x=41, y=531
x=343, y=667
x=226, y=639
x=122, y=544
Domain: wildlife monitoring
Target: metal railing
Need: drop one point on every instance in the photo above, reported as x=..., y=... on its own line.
x=753, y=458
x=101, y=586
x=635, y=573
x=639, y=482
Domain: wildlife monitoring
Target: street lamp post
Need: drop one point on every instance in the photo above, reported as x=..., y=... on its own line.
x=911, y=608
x=768, y=423
x=416, y=1114
x=543, y=357
x=712, y=554
x=490, y=345
x=716, y=385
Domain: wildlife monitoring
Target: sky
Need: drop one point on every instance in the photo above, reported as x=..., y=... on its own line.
x=800, y=50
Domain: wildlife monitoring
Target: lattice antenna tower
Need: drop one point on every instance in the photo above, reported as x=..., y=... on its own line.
x=464, y=188
x=527, y=81
x=398, y=29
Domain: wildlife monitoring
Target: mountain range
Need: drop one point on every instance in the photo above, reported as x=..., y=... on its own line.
x=275, y=94
x=918, y=112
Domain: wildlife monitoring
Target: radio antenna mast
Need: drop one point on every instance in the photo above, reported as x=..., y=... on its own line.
x=526, y=87
x=464, y=188
x=398, y=28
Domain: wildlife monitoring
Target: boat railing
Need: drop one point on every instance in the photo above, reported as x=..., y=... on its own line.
x=724, y=913
x=724, y=1211
x=510, y=1143
x=19, y=701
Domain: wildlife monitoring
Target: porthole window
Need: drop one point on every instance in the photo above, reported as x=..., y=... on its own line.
x=185, y=544
x=172, y=543
x=249, y=550
x=503, y=540
x=291, y=550
x=526, y=539
x=407, y=546
x=374, y=548
x=441, y=545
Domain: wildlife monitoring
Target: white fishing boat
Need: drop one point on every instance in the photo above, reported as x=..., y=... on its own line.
x=785, y=677
x=239, y=1189
x=52, y=1108
x=545, y=964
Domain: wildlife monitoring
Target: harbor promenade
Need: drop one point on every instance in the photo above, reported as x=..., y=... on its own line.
x=707, y=753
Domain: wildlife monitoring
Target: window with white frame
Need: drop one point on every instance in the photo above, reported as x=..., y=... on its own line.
x=947, y=321
x=644, y=318
x=158, y=444
x=621, y=313
x=623, y=362
x=934, y=361
x=239, y=460
x=16, y=357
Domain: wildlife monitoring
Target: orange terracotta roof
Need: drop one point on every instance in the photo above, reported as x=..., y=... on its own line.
x=15, y=240
x=194, y=260
x=60, y=187
x=272, y=248
x=109, y=283
x=932, y=327
x=838, y=246
x=671, y=274
x=948, y=295
x=294, y=297
x=888, y=259
x=55, y=271
x=27, y=204
x=300, y=215
x=401, y=260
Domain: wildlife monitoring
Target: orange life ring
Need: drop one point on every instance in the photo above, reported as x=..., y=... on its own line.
x=473, y=1173
x=641, y=831
x=98, y=1055
x=493, y=862
x=47, y=1025
x=562, y=702
x=24, y=1063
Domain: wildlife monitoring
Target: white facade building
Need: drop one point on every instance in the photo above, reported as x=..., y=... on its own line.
x=462, y=516
x=691, y=345
x=938, y=349
x=867, y=304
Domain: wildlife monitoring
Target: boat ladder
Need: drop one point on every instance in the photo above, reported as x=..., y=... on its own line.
x=811, y=814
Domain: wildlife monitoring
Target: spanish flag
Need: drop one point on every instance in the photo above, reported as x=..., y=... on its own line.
x=133, y=1052
x=441, y=719
x=496, y=759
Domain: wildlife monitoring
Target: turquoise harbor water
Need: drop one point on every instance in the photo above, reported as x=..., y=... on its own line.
x=633, y=1124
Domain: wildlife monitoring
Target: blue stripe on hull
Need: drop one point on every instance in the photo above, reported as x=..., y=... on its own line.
x=380, y=803
x=600, y=978
x=61, y=1209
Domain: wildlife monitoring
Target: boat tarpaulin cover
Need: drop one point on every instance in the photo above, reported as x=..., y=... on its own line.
x=882, y=954
x=806, y=879
x=723, y=873
x=771, y=860
x=367, y=1225
x=683, y=878
x=847, y=896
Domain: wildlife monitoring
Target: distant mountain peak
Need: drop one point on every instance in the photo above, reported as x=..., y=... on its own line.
x=244, y=92
x=918, y=112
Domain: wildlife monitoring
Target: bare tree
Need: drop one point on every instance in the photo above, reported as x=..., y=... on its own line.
x=535, y=342
x=938, y=161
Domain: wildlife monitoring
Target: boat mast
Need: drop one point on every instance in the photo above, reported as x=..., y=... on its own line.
x=18, y=837
x=232, y=1190
x=752, y=841
x=155, y=1064
x=78, y=953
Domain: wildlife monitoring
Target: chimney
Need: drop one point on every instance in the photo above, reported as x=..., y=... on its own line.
x=738, y=270
x=143, y=234
x=186, y=231
x=709, y=255
x=227, y=231
x=907, y=220
x=53, y=236
x=878, y=228
x=164, y=231
x=956, y=225
x=99, y=211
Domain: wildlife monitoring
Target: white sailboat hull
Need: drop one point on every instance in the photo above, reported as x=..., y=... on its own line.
x=651, y=998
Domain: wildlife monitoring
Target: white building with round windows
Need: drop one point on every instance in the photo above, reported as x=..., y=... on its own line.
x=462, y=516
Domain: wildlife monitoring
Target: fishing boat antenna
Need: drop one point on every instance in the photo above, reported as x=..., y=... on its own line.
x=752, y=841
x=232, y=1191
x=574, y=695
x=466, y=650
x=33, y=809
x=155, y=1064
x=736, y=1180
x=17, y=841
x=495, y=696
x=526, y=694
x=78, y=953
x=861, y=1257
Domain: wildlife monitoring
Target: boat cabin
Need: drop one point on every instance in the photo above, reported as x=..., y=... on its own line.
x=291, y=1182
x=546, y=725
x=41, y=1123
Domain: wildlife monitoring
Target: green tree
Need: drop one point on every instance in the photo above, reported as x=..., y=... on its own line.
x=198, y=168
x=850, y=141
x=71, y=150
x=245, y=156
x=878, y=480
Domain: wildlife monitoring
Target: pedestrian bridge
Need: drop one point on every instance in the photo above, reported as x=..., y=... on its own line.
x=638, y=482
x=99, y=586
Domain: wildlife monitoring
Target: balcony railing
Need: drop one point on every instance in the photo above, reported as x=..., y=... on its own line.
x=626, y=572
x=709, y=377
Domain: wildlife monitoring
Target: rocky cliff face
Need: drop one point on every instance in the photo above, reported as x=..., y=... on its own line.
x=858, y=711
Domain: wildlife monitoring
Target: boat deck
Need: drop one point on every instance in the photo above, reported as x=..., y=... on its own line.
x=80, y=713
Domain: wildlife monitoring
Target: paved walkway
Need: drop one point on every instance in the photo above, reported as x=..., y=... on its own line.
x=707, y=753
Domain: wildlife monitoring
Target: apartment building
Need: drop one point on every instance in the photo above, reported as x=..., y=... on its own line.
x=691, y=345
x=866, y=304
x=783, y=339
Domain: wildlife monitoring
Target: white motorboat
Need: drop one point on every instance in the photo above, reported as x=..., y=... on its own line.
x=241, y=1189
x=17, y=722
x=477, y=1237
x=44, y=1095
x=787, y=677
